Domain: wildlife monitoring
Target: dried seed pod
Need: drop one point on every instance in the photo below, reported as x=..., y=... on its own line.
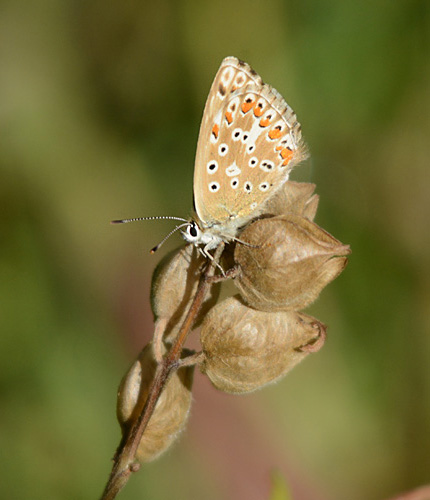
x=245, y=349
x=291, y=261
x=171, y=411
x=311, y=207
x=295, y=198
x=174, y=284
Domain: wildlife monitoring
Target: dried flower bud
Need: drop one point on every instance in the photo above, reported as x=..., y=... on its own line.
x=246, y=349
x=292, y=261
x=295, y=198
x=174, y=285
x=170, y=413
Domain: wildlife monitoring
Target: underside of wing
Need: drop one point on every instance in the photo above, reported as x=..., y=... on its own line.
x=232, y=75
x=246, y=149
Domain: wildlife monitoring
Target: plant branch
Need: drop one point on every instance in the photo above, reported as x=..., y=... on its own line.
x=124, y=459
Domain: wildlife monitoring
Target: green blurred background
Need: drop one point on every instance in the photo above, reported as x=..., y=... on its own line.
x=100, y=105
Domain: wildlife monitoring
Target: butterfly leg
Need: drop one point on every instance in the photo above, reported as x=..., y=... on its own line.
x=205, y=252
x=246, y=244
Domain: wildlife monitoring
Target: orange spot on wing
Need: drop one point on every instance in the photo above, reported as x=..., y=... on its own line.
x=233, y=88
x=258, y=111
x=286, y=154
x=228, y=117
x=275, y=133
x=264, y=122
x=215, y=131
x=246, y=106
x=279, y=148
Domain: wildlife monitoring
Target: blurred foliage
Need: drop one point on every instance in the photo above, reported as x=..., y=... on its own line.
x=100, y=104
x=279, y=488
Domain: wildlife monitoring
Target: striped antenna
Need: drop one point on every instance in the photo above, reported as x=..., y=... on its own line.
x=158, y=217
x=123, y=221
x=153, y=250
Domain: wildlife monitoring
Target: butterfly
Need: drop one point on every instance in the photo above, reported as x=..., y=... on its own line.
x=249, y=141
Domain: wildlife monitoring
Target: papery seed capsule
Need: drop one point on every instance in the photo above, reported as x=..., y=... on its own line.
x=311, y=207
x=170, y=413
x=245, y=349
x=295, y=198
x=290, y=261
x=174, y=284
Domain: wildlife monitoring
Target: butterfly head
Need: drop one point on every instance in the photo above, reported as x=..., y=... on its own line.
x=194, y=234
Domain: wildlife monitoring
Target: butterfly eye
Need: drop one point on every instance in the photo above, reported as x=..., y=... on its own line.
x=193, y=231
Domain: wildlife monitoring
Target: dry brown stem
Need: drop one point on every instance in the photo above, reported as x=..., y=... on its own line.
x=124, y=459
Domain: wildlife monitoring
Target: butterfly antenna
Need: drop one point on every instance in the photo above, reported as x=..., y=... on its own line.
x=153, y=250
x=123, y=221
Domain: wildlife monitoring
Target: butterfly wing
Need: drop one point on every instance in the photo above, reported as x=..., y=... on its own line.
x=249, y=141
x=232, y=75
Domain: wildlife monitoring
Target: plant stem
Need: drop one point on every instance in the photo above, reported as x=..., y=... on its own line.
x=124, y=460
